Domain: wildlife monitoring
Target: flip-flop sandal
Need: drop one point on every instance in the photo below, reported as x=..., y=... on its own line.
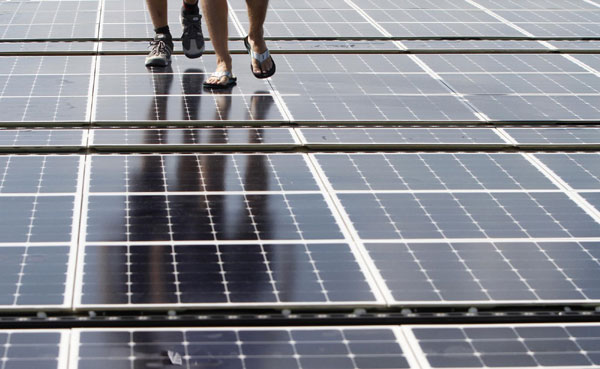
x=260, y=58
x=231, y=81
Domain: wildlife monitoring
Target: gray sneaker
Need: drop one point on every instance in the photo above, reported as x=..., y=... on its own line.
x=192, y=38
x=161, y=49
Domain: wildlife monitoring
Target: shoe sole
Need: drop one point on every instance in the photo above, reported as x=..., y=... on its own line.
x=193, y=52
x=157, y=63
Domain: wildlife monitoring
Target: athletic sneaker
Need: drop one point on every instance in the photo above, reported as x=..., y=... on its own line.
x=161, y=49
x=192, y=38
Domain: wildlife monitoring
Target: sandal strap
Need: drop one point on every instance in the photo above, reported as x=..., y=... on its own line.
x=260, y=57
x=220, y=74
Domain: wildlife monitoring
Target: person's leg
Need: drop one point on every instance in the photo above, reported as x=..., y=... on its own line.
x=257, y=13
x=216, y=13
x=192, y=38
x=162, y=45
x=158, y=13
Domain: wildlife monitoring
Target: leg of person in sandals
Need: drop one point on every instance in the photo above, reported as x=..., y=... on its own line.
x=262, y=64
x=216, y=13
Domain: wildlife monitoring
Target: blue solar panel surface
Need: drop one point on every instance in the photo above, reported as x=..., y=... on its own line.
x=407, y=154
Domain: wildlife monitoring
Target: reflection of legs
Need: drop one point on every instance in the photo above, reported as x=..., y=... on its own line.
x=257, y=12
x=162, y=79
x=260, y=105
x=223, y=107
x=191, y=83
x=216, y=13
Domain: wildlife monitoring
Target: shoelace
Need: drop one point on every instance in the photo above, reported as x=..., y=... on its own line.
x=194, y=26
x=158, y=47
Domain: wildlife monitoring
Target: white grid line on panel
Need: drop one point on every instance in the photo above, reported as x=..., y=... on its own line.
x=236, y=22
x=414, y=342
x=415, y=348
x=174, y=262
x=76, y=232
x=568, y=190
x=375, y=280
x=82, y=234
x=592, y=3
x=30, y=229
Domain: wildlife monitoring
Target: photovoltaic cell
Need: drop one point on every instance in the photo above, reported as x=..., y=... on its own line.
x=127, y=91
x=248, y=348
x=520, y=87
x=62, y=20
x=200, y=138
x=55, y=139
x=488, y=272
x=37, y=195
x=205, y=275
x=506, y=345
x=400, y=137
x=365, y=88
x=32, y=47
x=467, y=216
x=44, y=88
x=470, y=171
x=580, y=171
x=576, y=136
x=131, y=20
x=44, y=349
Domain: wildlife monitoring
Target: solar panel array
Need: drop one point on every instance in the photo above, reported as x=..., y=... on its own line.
x=407, y=154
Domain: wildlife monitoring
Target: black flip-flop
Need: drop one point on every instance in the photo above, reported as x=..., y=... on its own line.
x=231, y=81
x=260, y=58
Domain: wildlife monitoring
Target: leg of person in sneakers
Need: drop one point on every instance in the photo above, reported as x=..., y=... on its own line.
x=257, y=13
x=192, y=38
x=161, y=47
x=216, y=13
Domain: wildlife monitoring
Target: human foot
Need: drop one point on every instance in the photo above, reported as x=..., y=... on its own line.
x=262, y=65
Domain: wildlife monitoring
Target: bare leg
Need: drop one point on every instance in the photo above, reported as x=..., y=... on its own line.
x=257, y=12
x=158, y=12
x=216, y=13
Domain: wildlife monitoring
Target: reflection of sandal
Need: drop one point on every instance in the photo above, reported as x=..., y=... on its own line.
x=231, y=81
x=260, y=58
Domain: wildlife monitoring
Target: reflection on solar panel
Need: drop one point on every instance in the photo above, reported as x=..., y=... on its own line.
x=193, y=139
x=507, y=346
x=248, y=348
x=411, y=159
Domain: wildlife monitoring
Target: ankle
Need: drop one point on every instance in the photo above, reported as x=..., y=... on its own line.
x=191, y=7
x=256, y=35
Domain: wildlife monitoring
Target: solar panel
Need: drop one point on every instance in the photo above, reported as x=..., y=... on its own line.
x=401, y=137
x=43, y=139
x=244, y=224
x=212, y=275
x=131, y=21
x=44, y=349
x=520, y=87
x=127, y=91
x=193, y=139
x=249, y=348
x=543, y=137
x=45, y=88
x=487, y=272
x=579, y=171
x=506, y=345
x=45, y=20
x=365, y=88
x=37, y=48
x=40, y=197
